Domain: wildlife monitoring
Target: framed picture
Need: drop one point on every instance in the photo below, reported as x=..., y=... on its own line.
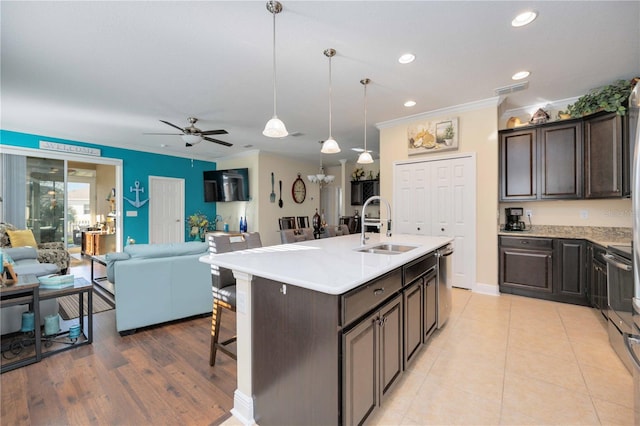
x=433, y=136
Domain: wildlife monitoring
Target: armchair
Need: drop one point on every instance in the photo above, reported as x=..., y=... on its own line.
x=52, y=252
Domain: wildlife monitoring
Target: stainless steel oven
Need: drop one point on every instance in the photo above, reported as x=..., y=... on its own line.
x=620, y=289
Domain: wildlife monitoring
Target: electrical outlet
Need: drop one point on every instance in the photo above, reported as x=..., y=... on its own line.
x=584, y=214
x=528, y=213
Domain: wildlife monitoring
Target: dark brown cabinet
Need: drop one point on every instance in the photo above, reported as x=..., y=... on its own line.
x=545, y=268
x=597, y=279
x=362, y=190
x=571, y=159
x=604, y=172
x=430, y=304
x=541, y=163
x=570, y=268
x=372, y=361
x=518, y=164
x=560, y=159
x=413, y=315
x=526, y=266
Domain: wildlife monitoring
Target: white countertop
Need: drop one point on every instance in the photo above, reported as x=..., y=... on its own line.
x=328, y=265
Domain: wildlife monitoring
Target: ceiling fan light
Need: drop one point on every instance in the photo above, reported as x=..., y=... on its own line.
x=275, y=128
x=191, y=139
x=365, y=158
x=330, y=146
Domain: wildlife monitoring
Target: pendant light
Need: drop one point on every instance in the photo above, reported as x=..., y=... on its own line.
x=330, y=146
x=275, y=128
x=365, y=156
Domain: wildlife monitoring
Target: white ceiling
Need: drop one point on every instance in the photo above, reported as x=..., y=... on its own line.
x=107, y=72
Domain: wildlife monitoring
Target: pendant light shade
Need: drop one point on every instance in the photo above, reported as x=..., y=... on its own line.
x=330, y=146
x=365, y=157
x=275, y=128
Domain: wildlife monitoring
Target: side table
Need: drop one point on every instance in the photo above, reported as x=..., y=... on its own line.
x=80, y=287
x=24, y=291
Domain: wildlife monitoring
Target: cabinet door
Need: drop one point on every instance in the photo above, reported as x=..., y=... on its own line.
x=561, y=161
x=526, y=271
x=603, y=156
x=360, y=369
x=356, y=194
x=413, y=315
x=570, y=271
x=391, y=360
x=518, y=165
x=430, y=304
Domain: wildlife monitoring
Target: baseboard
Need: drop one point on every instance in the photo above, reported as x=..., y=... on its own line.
x=243, y=408
x=491, y=290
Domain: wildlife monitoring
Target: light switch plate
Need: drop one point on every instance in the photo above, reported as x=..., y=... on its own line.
x=584, y=214
x=132, y=213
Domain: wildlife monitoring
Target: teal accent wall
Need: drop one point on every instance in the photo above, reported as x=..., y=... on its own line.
x=138, y=166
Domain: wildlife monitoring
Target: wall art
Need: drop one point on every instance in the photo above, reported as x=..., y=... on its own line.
x=433, y=136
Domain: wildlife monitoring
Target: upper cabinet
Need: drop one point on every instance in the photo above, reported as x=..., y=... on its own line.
x=361, y=190
x=603, y=159
x=568, y=160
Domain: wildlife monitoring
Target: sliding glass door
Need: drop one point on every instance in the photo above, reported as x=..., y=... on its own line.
x=45, y=205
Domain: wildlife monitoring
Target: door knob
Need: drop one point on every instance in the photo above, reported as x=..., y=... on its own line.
x=442, y=229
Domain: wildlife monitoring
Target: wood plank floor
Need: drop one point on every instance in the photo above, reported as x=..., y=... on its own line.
x=157, y=376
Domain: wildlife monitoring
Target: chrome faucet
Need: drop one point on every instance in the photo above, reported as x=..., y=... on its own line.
x=378, y=223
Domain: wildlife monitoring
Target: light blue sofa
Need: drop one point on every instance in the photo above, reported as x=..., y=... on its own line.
x=156, y=283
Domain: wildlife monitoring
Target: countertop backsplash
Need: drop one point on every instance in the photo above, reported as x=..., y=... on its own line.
x=602, y=235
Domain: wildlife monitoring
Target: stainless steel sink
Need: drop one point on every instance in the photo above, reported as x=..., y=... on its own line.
x=386, y=248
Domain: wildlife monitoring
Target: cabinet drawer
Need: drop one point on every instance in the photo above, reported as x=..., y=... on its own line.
x=527, y=242
x=370, y=295
x=418, y=267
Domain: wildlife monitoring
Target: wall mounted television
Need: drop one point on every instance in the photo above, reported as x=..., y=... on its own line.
x=226, y=185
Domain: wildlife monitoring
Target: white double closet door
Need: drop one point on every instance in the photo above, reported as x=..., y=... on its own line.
x=438, y=197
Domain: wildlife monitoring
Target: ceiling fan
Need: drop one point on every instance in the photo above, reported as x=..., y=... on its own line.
x=191, y=135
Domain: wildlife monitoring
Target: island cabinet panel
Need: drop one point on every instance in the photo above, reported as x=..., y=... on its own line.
x=372, y=361
x=413, y=315
x=430, y=304
x=604, y=171
x=295, y=357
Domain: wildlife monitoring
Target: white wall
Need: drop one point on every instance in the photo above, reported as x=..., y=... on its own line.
x=478, y=132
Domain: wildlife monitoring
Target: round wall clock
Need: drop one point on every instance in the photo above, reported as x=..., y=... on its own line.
x=298, y=190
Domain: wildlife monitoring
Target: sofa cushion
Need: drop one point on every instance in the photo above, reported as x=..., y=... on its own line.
x=32, y=266
x=111, y=259
x=151, y=251
x=20, y=253
x=22, y=238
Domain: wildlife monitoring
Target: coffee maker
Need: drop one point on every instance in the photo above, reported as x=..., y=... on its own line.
x=514, y=219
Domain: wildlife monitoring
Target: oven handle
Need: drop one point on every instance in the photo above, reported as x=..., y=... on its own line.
x=612, y=261
x=629, y=341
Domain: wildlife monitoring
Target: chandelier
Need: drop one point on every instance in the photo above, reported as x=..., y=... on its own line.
x=321, y=177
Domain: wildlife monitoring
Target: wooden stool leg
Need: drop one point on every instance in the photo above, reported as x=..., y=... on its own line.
x=215, y=331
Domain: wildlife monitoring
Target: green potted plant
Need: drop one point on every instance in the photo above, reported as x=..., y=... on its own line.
x=448, y=135
x=611, y=98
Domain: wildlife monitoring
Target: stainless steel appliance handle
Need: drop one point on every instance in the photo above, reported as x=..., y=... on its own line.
x=628, y=342
x=612, y=261
x=446, y=252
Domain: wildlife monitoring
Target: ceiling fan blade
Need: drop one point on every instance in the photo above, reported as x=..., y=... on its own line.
x=173, y=134
x=173, y=125
x=217, y=141
x=215, y=132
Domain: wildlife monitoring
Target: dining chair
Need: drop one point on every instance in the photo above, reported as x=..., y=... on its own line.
x=343, y=230
x=287, y=222
x=303, y=222
x=223, y=285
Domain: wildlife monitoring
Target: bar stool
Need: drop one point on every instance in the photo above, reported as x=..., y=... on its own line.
x=223, y=286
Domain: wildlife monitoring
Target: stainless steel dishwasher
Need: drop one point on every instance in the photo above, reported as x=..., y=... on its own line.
x=445, y=275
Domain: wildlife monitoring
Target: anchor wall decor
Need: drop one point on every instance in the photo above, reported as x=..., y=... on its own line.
x=137, y=203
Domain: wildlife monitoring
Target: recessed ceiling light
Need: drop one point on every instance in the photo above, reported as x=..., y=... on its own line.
x=520, y=75
x=407, y=58
x=524, y=18
x=409, y=104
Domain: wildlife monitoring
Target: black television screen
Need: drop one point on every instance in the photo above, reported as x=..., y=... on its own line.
x=226, y=185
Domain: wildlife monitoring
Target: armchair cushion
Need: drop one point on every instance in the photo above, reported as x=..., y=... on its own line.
x=20, y=253
x=52, y=252
x=22, y=238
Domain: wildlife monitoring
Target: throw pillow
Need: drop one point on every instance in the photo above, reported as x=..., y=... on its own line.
x=22, y=238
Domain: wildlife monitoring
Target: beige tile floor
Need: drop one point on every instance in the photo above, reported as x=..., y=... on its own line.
x=511, y=360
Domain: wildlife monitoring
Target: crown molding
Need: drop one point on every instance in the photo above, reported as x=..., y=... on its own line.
x=456, y=109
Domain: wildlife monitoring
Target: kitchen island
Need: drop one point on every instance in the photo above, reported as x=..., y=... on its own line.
x=296, y=306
